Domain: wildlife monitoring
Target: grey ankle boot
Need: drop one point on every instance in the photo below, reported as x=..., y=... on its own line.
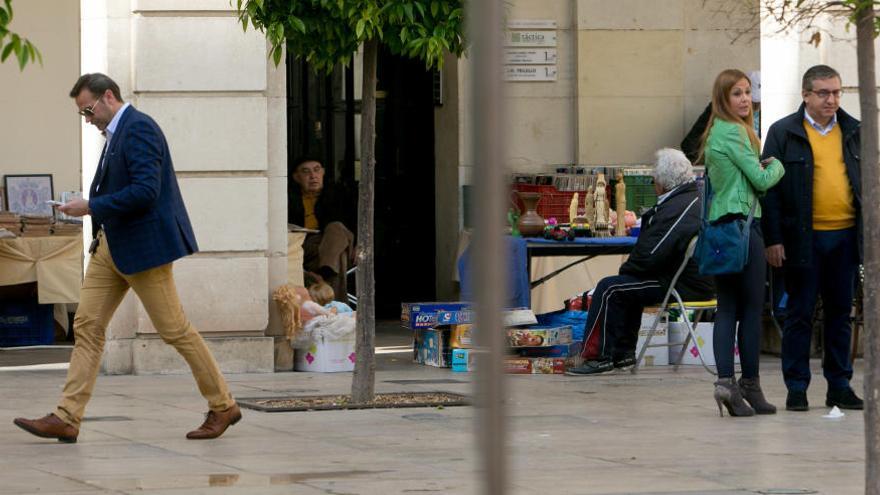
x=728, y=394
x=751, y=392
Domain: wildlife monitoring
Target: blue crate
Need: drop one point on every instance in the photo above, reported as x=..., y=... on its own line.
x=25, y=322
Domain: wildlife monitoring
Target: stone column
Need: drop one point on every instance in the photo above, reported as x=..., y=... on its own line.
x=221, y=105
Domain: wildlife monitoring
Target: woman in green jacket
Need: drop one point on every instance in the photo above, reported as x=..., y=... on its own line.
x=731, y=151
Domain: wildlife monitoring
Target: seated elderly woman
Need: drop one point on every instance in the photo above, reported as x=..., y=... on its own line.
x=618, y=301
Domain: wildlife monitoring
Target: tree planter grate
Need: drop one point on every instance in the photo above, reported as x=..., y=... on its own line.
x=340, y=402
x=429, y=381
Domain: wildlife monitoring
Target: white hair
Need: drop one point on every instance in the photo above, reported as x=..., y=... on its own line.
x=672, y=169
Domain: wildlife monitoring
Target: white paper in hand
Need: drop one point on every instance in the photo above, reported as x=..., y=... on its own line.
x=835, y=413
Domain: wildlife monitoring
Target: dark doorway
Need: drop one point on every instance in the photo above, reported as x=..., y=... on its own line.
x=324, y=121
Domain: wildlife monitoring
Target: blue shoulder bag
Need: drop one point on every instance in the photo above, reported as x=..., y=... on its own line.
x=723, y=246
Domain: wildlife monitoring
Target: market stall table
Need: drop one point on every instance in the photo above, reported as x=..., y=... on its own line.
x=53, y=262
x=520, y=252
x=584, y=247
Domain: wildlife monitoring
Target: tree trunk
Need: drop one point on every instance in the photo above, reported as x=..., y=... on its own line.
x=870, y=217
x=363, y=381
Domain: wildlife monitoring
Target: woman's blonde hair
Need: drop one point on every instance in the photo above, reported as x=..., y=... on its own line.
x=724, y=84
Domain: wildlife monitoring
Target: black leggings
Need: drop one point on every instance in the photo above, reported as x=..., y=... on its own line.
x=741, y=299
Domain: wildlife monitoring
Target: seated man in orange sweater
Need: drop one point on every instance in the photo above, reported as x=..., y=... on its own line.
x=314, y=206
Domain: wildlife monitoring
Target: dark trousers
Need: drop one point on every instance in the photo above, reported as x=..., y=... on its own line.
x=616, y=313
x=741, y=300
x=832, y=275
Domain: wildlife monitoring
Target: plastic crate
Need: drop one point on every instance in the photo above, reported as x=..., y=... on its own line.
x=24, y=322
x=639, y=192
x=553, y=203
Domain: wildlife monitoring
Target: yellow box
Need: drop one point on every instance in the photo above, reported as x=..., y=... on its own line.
x=461, y=336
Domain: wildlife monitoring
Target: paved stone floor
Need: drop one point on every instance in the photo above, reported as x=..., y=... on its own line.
x=654, y=433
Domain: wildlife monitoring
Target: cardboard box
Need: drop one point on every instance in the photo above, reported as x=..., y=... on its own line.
x=536, y=365
x=463, y=360
x=325, y=356
x=461, y=336
x=431, y=347
x=560, y=351
x=509, y=317
x=424, y=315
x=654, y=356
x=704, y=331
x=539, y=336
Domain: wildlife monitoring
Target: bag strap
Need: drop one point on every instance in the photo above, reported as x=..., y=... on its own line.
x=707, y=200
x=707, y=194
x=751, y=214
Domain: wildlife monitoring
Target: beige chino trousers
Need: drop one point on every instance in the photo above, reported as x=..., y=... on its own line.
x=103, y=289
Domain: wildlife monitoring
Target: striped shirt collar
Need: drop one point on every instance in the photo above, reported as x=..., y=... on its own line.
x=819, y=128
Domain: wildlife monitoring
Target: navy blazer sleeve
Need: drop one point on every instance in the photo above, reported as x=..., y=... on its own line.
x=142, y=151
x=771, y=203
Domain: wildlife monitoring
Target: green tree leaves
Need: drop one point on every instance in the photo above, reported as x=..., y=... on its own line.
x=12, y=43
x=327, y=32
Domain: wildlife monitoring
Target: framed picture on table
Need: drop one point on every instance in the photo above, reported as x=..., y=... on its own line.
x=3, y=206
x=27, y=194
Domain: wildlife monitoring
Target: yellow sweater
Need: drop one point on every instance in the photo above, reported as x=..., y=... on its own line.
x=309, y=200
x=832, y=193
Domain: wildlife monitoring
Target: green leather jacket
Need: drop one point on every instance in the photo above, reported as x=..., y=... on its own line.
x=735, y=170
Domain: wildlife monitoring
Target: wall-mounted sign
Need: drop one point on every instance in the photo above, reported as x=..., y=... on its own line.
x=531, y=24
x=530, y=38
x=530, y=55
x=530, y=73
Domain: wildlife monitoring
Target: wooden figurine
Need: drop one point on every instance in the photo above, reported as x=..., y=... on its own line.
x=589, y=207
x=620, y=203
x=600, y=225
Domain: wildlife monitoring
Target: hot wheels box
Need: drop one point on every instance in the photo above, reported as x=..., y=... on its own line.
x=424, y=315
x=539, y=336
x=512, y=317
x=431, y=347
x=535, y=365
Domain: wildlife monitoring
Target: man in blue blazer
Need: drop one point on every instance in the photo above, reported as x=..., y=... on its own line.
x=140, y=226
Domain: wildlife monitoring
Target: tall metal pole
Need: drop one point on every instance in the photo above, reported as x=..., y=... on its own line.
x=485, y=32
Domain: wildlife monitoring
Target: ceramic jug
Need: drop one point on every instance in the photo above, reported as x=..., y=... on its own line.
x=530, y=223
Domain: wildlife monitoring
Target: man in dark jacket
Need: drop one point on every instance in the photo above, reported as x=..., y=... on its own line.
x=667, y=229
x=812, y=226
x=316, y=207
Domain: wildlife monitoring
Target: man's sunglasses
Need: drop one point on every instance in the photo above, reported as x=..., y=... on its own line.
x=89, y=111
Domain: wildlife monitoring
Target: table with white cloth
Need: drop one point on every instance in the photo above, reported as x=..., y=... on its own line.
x=53, y=262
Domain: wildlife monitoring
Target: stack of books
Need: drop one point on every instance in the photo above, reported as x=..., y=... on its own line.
x=36, y=225
x=63, y=228
x=10, y=221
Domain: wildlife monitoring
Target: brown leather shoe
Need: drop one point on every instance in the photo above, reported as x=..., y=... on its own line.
x=216, y=423
x=49, y=426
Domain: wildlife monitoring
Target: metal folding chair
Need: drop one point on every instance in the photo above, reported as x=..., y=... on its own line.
x=352, y=298
x=699, y=307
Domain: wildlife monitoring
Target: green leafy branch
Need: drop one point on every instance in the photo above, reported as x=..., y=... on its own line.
x=10, y=42
x=327, y=32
